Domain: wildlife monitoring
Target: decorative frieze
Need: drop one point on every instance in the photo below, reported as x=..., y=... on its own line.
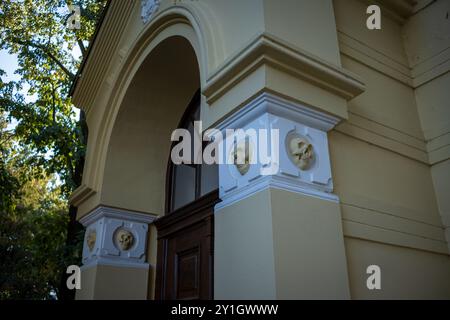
x=115, y=237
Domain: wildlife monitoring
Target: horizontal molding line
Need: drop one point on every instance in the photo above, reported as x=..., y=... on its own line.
x=116, y=213
x=340, y=129
x=423, y=73
x=358, y=230
x=344, y=51
x=413, y=77
x=388, y=127
x=115, y=263
x=443, y=51
x=395, y=230
x=398, y=244
x=269, y=183
x=438, y=136
x=386, y=137
x=432, y=74
x=391, y=214
x=344, y=37
x=439, y=148
x=407, y=82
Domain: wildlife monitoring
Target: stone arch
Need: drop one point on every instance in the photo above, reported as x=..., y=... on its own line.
x=139, y=145
x=175, y=28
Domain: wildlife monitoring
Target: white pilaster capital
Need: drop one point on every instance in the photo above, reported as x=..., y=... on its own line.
x=303, y=162
x=115, y=237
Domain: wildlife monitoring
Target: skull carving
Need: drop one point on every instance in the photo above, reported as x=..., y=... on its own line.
x=302, y=152
x=91, y=238
x=241, y=156
x=125, y=239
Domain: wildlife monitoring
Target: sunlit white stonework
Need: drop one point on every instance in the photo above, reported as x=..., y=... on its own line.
x=310, y=174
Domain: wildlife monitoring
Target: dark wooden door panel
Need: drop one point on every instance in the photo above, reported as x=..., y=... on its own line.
x=187, y=278
x=185, y=251
x=185, y=260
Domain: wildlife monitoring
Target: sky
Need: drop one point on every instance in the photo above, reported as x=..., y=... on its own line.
x=8, y=63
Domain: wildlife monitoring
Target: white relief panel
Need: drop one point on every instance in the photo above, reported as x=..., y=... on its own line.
x=319, y=173
x=120, y=237
x=295, y=124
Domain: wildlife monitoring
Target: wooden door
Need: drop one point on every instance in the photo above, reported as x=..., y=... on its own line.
x=186, y=251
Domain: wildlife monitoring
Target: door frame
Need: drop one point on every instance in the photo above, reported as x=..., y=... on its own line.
x=199, y=213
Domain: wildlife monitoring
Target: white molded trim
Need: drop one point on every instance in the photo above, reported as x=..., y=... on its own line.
x=269, y=103
x=275, y=183
x=105, y=223
x=115, y=213
x=114, y=263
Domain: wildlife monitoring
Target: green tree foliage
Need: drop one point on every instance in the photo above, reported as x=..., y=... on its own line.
x=32, y=242
x=41, y=234
x=8, y=183
x=33, y=225
x=36, y=31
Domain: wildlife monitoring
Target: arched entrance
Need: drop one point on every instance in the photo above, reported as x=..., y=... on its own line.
x=135, y=169
x=140, y=144
x=186, y=232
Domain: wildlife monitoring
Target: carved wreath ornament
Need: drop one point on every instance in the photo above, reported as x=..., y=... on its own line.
x=148, y=8
x=301, y=152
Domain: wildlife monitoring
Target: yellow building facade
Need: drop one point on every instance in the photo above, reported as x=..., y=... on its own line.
x=373, y=104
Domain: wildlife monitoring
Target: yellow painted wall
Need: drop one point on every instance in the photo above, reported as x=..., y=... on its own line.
x=105, y=282
x=308, y=247
x=392, y=199
x=293, y=20
x=277, y=244
x=244, y=265
x=405, y=273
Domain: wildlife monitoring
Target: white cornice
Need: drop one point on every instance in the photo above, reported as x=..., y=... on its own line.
x=102, y=211
x=114, y=263
x=274, y=182
x=269, y=103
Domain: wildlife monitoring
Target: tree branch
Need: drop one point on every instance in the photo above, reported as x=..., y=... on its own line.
x=82, y=48
x=48, y=53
